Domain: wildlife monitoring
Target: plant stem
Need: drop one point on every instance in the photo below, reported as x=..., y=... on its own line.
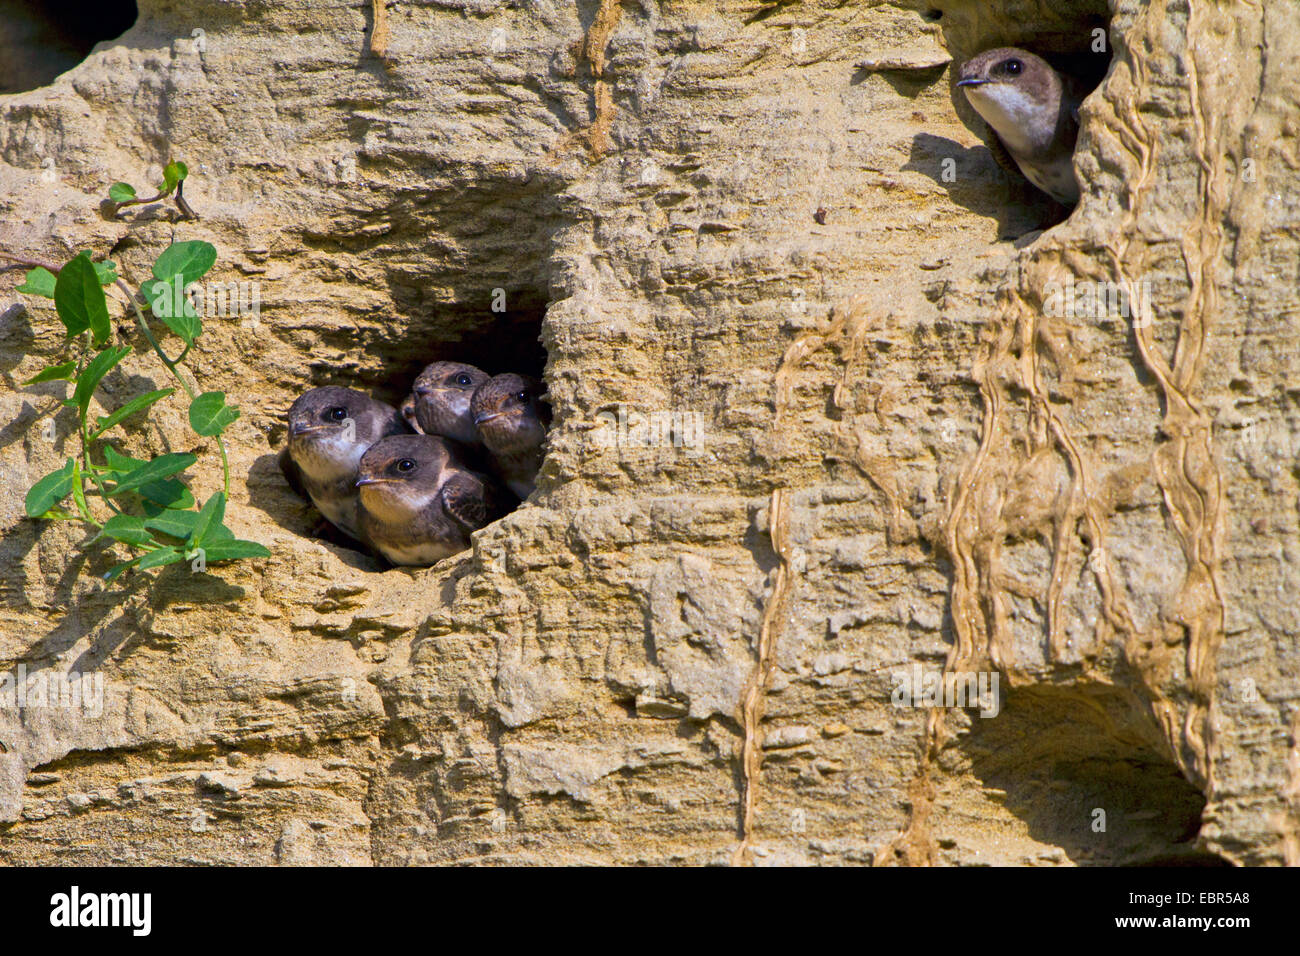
x=86, y=467
x=171, y=367
x=225, y=466
x=181, y=204
x=153, y=343
x=29, y=263
x=144, y=202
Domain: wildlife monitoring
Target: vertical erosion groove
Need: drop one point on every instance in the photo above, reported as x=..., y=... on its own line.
x=594, y=137
x=751, y=714
x=379, y=34
x=845, y=330
x=847, y=325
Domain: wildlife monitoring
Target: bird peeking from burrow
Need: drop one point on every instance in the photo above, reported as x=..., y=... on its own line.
x=1034, y=113
x=419, y=502
x=330, y=428
x=477, y=437
x=512, y=417
x=441, y=400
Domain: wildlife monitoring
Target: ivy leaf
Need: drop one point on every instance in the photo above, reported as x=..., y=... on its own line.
x=130, y=408
x=156, y=559
x=159, y=496
x=50, y=490
x=232, y=549
x=128, y=529
x=106, y=270
x=40, y=281
x=167, y=494
x=209, y=413
x=54, y=373
x=118, y=463
x=214, y=510
x=164, y=466
x=121, y=192
x=173, y=173
x=91, y=375
x=80, y=301
x=179, y=265
x=168, y=301
x=115, y=571
x=189, y=260
x=178, y=524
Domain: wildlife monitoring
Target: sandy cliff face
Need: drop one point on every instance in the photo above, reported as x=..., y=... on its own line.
x=740, y=220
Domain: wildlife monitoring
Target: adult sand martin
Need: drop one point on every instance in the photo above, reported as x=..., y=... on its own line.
x=511, y=419
x=1033, y=111
x=419, y=503
x=330, y=428
x=442, y=395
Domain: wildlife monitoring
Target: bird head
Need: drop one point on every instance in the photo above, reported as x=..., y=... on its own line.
x=442, y=393
x=400, y=474
x=509, y=409
x=330, y=427
x=1014, y=91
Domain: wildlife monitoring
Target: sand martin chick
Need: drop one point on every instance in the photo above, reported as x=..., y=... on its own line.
x=419, y=503
x=407, y=408
x=511, y=419
x=330, y=428
x=442, y=395
x=1033, y=111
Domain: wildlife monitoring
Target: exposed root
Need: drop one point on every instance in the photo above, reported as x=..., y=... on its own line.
x=1287, y=827
x=914, y=846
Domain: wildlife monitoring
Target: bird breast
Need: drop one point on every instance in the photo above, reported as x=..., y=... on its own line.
x=1024, y=125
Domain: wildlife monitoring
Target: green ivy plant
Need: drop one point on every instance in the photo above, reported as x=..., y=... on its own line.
x=143, y=505
x=121, y=195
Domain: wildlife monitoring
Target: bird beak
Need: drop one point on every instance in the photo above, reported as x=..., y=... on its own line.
x=422, y=391
x=302, y=428
x=486, y=417
x=361, y=482
x=972, y=81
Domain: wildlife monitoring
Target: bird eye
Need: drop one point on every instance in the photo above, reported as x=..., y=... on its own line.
x=462, y=379
x=405, y=464
x=1013, y=66
x=337, y=414
x=521, y=398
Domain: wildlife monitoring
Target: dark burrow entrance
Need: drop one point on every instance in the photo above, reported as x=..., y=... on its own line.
x=477, y=292
x=500, y=335
x=508, y=340
x=467, y=273
x=1088, y=771
x=41, y=39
